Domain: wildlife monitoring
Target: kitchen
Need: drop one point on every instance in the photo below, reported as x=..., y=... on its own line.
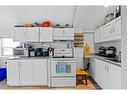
x=39, y=49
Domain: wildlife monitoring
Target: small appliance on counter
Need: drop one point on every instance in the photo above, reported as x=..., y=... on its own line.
x=102, y=51
x=111, y=51
x=20, y=51
x=37, y=52
x=107, y=51
x=31, y=52
x=51, y=51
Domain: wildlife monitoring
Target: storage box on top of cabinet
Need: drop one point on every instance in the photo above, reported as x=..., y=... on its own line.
x=109, y=32
x=63, y=34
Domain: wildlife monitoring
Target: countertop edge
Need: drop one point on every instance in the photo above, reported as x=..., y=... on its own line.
x=106, y=60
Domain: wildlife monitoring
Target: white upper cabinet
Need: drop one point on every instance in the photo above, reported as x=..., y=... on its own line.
x=37, y=34
x=117, y=28
x=110, y=31
x=69, y=32
x=98, y=35
x=107, y=32
x=46, y=34
x=58, y=32
x=32, y=34
x=63, y=34
x=19, y=34
x=6, y=32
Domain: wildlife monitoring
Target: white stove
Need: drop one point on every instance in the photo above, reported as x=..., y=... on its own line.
x=63, y=69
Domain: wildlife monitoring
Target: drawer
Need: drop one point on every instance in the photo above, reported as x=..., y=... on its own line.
x=63, y=82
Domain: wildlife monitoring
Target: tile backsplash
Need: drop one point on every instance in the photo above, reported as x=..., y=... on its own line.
x=116, y=44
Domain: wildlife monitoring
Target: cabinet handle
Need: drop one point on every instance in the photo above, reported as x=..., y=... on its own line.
x=113, y=29
x=110, y=30
x=107, y=68
x=19, y=65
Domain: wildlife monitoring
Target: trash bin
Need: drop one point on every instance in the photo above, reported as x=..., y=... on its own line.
x=3, y=74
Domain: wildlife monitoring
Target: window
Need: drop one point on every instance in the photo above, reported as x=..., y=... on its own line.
x=8, y=45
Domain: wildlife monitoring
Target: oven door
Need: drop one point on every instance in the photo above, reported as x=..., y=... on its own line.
x=63, y=68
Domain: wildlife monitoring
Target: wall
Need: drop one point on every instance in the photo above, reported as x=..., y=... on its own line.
x=124, y=46
x=116, y=44
x=11, y=15
x=82, y=17
x=90, y=17
x=89, y=39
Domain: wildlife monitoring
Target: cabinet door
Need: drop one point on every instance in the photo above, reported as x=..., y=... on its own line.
x=32, y=34
x=114, y=77
x=40, y=72
x=117, y=28
x=107, y=32
x=98, y=35
x=58, y=33
x=46, y=34
x=100, y=73
x=92, y=69
x=69, y=32
x=6, y=32
x=26, y=72
x=13, y=72
x=19, y=34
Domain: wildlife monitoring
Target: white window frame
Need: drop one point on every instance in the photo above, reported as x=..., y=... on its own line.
x=2, y=47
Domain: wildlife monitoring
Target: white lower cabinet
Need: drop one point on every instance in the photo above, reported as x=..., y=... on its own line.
x=114, y=77
x=100, y=73
x=13, y=72
x=107, y=75
x=27, y=72
x=40, y=73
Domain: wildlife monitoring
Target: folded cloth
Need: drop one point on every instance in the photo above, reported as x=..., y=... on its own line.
x=61, y=67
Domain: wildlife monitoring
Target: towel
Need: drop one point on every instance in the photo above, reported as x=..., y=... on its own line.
x=61, y=67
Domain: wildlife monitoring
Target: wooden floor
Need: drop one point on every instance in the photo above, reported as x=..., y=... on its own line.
x=92, y=85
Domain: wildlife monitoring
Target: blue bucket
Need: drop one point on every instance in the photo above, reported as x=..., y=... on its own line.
x=3, y=74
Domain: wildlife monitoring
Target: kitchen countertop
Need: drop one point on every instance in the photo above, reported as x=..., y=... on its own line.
x=103, y=59
x=26, y=57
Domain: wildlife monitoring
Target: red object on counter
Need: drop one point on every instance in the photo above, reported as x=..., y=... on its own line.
x=46, y=24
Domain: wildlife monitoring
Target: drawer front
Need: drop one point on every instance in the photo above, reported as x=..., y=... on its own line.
x=63, y=82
